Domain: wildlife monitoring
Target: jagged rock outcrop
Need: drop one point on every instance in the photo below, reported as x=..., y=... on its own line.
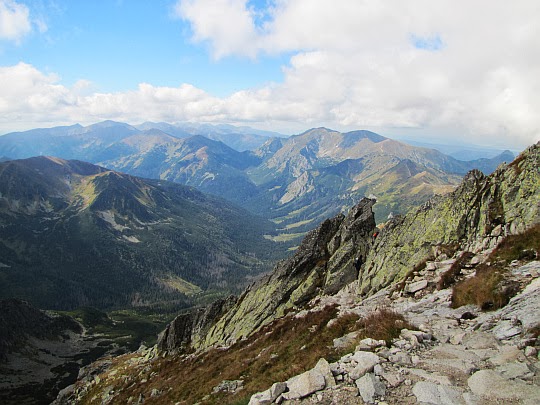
x=477, y=215
x=193, y=325
x=324, y=263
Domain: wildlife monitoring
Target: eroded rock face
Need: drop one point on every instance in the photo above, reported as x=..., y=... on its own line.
x=322, y=264
x=188, y=327
x=476, y=216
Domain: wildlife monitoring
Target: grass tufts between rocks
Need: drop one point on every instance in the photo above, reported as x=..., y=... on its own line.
x=524, y=246
x=486, y=289
x=491, y=287
x=384, y=324
x=285, y=348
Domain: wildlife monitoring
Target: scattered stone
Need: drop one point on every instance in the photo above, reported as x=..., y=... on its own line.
x=401, y=358
x=414, y=287
x=497, y=231
x=506, y=330
x=346, y=341
x=432, y=377
x=268, y=396
x=525, y=306
x=393, y=379
x=304, y=384
x=429, y=393
x=507, y=354
x=480, y=340
x=369, y=344
x=457, y=339
x=378, y=370
x=489, y=384
x=369, y=387
x=462, y=366
x=228, y=386
x=514, y=370
x=431, y=266
x=366, y=361
x=530, y=351
x=323, y=367
x=476, y=260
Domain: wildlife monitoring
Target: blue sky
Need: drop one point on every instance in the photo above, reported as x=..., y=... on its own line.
x=423, y=69
x=119, y=44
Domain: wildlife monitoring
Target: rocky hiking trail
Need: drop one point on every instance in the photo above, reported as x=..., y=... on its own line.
x=455, y=356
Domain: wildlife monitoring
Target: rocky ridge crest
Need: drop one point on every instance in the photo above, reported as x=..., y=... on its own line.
x=477, y=216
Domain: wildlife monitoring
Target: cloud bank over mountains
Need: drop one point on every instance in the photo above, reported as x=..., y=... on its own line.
x=467, y=69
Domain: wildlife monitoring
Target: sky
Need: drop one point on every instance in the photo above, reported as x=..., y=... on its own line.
x=430, y=70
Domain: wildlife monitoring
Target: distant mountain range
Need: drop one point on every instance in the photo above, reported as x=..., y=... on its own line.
x=296, y=182
x=75, y=234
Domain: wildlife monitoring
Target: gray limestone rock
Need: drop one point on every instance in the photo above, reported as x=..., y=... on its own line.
x=365, y=363
x=323, y=367
x=514, y=370
x=369, y=344
x=304, y=384
x=431, y=377
x=370, y=387
x=268, y=396
x=401, y=358
x=228, y=386
x=345, y=341
x=490, y=385
x=418, y=286
x=525, y=306
x=430, y=393
x=505, y=330
x=190, y=327
x=480, y=340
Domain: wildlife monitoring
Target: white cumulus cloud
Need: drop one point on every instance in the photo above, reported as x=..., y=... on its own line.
x=470, y=69
x=14, y=20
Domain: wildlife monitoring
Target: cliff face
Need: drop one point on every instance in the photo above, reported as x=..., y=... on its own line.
x=322, y=264
x=477, y=215
x=192, y=326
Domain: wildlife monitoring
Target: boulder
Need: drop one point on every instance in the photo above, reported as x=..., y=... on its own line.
x=401, y=358
x=491, y=385
x=304, y=384
x=414, y=287
x=346, y=341
x=506, y=330
x=228, y=386
x=430, y=393
x=268, y=396
x=365, y=363
x=324, y=368
x=369, y=344
x=369, y=387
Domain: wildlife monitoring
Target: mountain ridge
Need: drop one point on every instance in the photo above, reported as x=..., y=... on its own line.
x=63, y=222
x=295, y=182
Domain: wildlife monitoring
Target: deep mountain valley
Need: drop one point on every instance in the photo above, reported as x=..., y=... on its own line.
x=74, y=234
